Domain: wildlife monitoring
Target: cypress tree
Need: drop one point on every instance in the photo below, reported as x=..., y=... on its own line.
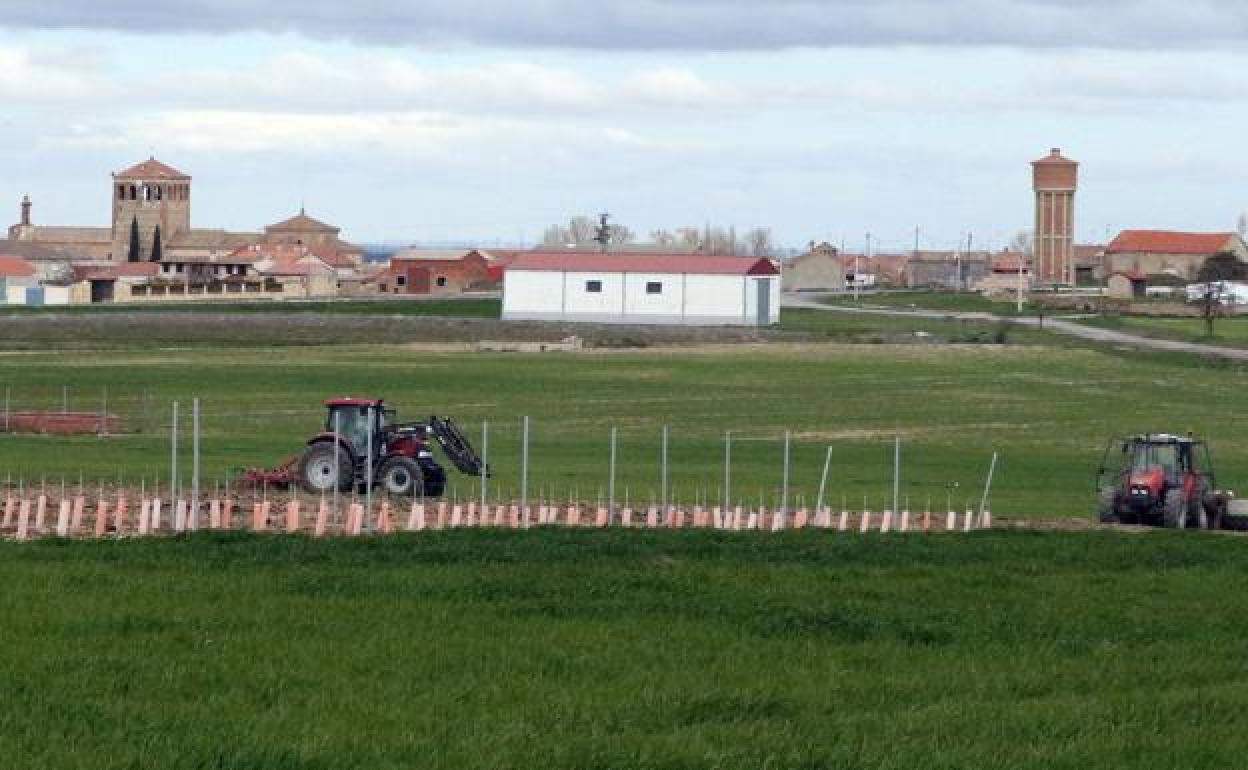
x=133, y=256
x=157, y=251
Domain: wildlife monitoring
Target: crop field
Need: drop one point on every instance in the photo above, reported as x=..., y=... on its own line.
x=1046, y=408
x=951, y=301
x=559, y=649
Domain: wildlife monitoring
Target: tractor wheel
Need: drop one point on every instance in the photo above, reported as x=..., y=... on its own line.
x=1106, y=509
x=1174, y=510
x=324, y=467
x=401, y=477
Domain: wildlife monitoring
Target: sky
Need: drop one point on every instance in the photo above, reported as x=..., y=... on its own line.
x=487, y=120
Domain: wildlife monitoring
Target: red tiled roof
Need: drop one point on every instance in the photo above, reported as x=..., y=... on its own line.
x=1054, y=156
x=619, y=262
x=119, y=270
x=151, y=169
x=15, y=267
x=1168, y=242
x=301, y=222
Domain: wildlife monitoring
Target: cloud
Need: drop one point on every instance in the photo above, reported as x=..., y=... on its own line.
x=675, y=24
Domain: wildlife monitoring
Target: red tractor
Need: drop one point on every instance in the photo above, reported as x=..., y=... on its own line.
x=361, y=435
x=1159, y=478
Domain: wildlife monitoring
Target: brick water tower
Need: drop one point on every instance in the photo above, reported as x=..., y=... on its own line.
x=1054, y=179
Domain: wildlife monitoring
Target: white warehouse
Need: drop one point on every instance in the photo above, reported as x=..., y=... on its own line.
x=642, y=289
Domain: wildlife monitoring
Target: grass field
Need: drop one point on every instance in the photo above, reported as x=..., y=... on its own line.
x=951, y=301
x=452, y=307
x=1046, y=409
x=1227, y=331
x=559, y=649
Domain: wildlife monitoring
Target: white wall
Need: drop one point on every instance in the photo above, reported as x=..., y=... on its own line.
x=685, y=298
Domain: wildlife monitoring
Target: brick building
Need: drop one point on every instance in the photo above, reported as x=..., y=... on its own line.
x=1054, y=180
x=1165, y=252
x=428, y=272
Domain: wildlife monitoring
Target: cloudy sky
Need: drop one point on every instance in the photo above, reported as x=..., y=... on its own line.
x=488, y=119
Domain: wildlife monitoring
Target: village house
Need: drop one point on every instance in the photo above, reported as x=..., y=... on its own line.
x=642, y=289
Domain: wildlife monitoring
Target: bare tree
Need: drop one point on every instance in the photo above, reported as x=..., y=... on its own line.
x=758, y=241
x=1242, y=225
x=620, y=235
x=663, y=238
x=1021, y=242
x=580, y=231
x=689, y=237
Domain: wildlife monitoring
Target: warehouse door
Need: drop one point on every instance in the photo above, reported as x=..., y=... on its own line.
x=764, y=301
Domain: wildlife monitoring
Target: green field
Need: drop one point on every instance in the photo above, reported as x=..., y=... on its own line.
x=556, y=649
x=951, y=301
x=1226, y=331
x=1047, y=408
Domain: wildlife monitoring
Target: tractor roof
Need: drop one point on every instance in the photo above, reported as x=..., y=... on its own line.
x=353, y=402
x=1163, y=438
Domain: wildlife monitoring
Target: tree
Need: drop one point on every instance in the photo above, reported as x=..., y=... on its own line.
x=758, y=241
x=579, y=231
x=662, y=238
x=1214, y=274
x=1242, y=225
x=620, y=235
x=133, y=254
x=1021, y=242
x=157, y=249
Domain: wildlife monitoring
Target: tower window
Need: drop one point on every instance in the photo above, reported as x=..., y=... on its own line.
x=134, y=193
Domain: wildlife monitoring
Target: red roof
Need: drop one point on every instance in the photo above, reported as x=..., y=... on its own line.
x=119, y=270
x=1054, y=156
x=1168, y=242
x=621, y=262
x=353, y=402
x=15, y=267
x=151, y=169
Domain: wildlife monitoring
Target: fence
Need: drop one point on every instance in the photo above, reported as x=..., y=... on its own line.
x=28, y=517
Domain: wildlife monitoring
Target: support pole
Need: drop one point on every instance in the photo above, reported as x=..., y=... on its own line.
x=173, y=459
x=611, y=475
x=337, y=458
x=64, y=399
x=368, y=465
x=727, y=470
x=663, y=473
x=194, y=517
x=7, y=426
x=992, y=469
x=823, y=481
x=485, y=463
x=524, y=472
x=784, y=486
x=896, y=472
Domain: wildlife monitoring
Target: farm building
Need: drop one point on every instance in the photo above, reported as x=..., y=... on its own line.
x=642, y=289
x=16, y=277
x=1157, y=252
x=819, y=269
x=421, y=271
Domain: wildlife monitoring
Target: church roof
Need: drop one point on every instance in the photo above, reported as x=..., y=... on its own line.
x=151, y=169
x=301, y=223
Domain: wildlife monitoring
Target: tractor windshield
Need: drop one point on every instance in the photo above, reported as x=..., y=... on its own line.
x=1165, y=456
x=352, y=425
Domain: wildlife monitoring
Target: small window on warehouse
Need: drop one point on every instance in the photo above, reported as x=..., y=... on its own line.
x=400, y=280
x=654, y=287
x=441, y=280
x=593, y=287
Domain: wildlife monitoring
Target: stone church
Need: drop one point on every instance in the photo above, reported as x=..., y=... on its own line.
x=151, y=222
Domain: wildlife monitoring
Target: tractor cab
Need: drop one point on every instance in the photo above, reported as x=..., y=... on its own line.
x=1156, y=476
x=353, y=420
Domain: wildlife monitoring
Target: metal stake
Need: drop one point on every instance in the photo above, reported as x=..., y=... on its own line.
x=727, y=470
x=663, y=474
x=992, y=469
x=611, y=477
x=524, y=473
x=194, y=517
x=337, y=458
x=173, y=460
x=485, y=462
x=784, y=490
x=823, y=481
x=896, y=472
x=368, y=467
